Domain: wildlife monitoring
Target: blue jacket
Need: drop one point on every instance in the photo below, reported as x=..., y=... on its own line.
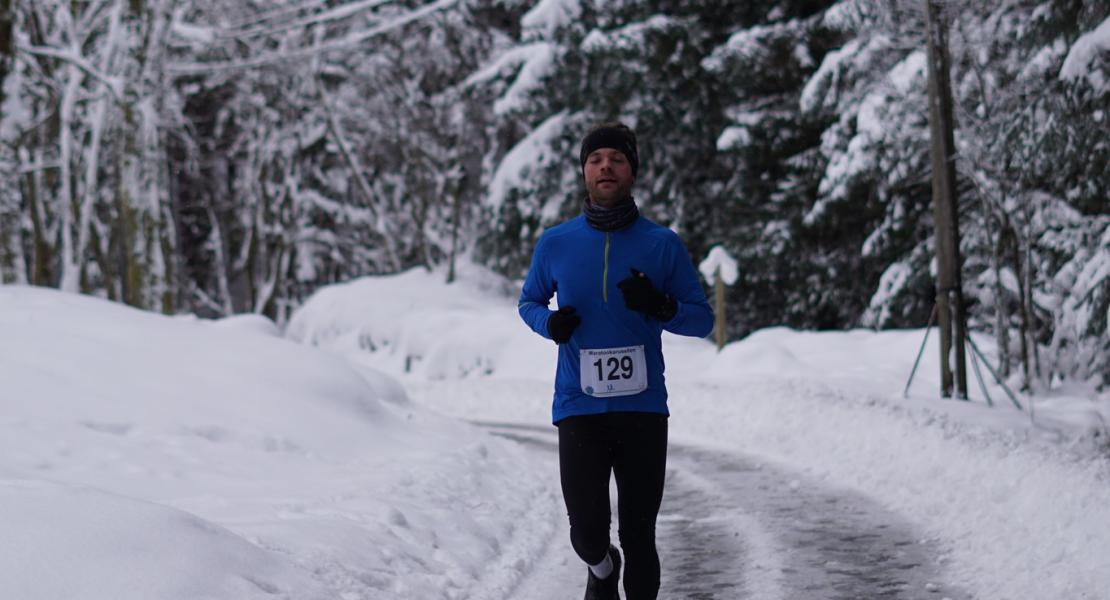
x=584, y=266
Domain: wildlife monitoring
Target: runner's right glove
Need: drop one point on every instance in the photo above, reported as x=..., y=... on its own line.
x=561, y=324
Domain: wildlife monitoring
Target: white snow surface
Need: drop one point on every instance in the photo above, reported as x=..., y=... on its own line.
x=538, y=62
x=719, y=258
x=825, y=89
x=749, y=44
x=891, y=282
x=627, y=38
x=734, y=137
x=143, y=456
x=506, y=63
x=869, y=121
x=65, y=541
x=1020, y=506
x=1080, y=62
x=526, y=156
x=545, y=18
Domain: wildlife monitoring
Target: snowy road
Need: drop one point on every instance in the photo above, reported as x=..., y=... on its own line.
x=734, y=527
x=799, y=469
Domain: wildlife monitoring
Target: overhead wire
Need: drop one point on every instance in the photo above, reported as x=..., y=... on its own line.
x=301, y=53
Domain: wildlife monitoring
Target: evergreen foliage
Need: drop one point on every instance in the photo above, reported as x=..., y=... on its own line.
x=226, y=156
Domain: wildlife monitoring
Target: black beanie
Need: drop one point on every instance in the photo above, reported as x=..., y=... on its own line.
x=611, y=135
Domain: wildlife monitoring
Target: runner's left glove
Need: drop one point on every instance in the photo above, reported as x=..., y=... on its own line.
x=640, y=295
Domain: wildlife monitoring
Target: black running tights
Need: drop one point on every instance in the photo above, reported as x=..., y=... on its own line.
x=633, y=447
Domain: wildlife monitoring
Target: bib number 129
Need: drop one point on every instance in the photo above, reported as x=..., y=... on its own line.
x=613, y=371
x=621, y=368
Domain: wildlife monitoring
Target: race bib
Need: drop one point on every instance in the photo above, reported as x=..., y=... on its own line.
x=613, y=371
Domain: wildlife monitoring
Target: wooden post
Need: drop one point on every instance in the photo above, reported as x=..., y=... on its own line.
x=950, y=313
x=719, y=308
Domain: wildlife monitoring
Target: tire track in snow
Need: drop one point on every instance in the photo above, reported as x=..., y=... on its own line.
x=732, y=527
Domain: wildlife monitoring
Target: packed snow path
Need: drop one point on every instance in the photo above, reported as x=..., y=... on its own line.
x=733, y=527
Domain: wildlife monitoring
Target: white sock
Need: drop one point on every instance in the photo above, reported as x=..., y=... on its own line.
x=603, y=569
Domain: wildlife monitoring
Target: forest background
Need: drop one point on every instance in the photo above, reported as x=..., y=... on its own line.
x=228, y=156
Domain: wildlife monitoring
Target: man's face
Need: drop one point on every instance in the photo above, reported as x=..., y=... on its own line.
x=608, y=176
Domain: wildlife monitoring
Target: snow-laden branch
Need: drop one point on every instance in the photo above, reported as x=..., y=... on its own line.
x=340, y=44
x=1080, y=62
x=280, y=11
x=340, y=12
x=110, y=84
x=381, y=222
x=91, y=189
x=25, y=169
x=86, y=24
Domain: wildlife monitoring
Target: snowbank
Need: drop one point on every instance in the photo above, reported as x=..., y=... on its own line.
x=418, y=328
x=414, y=325
x=144, y=456
x=73, y=542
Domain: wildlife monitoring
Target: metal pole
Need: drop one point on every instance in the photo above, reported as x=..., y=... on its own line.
x=979, y=376
x=932, y=317
x=987, y=364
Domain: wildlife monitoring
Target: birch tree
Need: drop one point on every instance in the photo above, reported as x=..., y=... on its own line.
x=90, y=82
x=11, y=247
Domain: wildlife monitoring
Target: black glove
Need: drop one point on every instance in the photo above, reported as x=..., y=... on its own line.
x=640, y=295
x=561, y=323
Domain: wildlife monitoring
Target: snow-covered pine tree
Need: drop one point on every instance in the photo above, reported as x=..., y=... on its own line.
x=579, y=63
x=1032, y=147
x=225, y=156
x=798, y=217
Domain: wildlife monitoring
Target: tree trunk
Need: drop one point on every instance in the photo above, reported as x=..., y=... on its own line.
x=66, y=204
x=1029, y=282
x=7, y=48
x=456, y=213
x=148, y=165
x=42, y=257
x=101, y=249
x=132, y=252
x=1019, y=270
x=90, y=190
x=10, y=242
x=1001, y=312
x=219, y=247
